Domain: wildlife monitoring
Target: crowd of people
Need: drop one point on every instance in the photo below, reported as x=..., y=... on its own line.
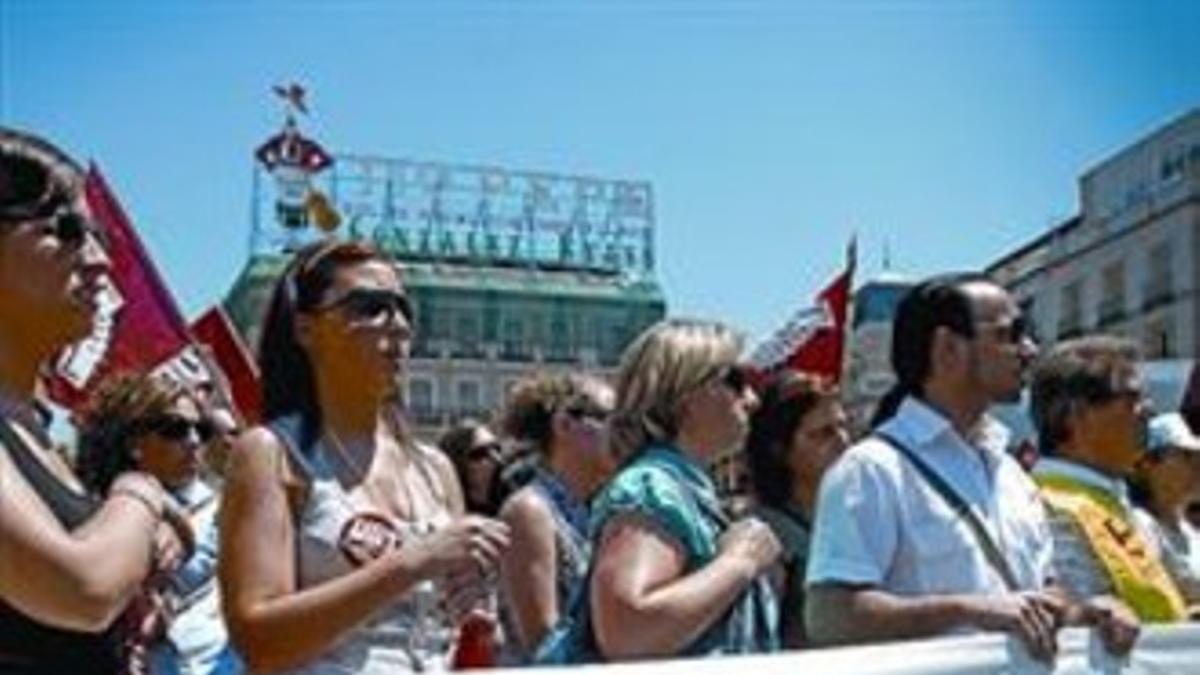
x=582, y=523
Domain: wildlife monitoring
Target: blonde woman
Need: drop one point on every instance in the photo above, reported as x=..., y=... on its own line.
x=671, y=576
x=562, y=419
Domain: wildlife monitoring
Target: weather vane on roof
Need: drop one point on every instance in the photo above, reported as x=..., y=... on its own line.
x=293, y=160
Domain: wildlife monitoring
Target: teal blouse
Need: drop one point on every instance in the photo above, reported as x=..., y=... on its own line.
x=677, y=495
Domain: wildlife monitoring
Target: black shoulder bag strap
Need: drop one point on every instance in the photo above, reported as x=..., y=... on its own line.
x=990, y=550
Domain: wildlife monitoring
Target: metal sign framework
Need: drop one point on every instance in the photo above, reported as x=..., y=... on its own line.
x=434, y=211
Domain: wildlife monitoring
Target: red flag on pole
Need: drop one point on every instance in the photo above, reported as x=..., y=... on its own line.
x=814, y=340
x=137, y=325
x=214, y=330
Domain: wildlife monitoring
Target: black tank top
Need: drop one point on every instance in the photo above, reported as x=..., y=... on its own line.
x=27, y=646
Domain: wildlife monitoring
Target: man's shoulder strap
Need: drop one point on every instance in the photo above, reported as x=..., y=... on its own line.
x=960, y=507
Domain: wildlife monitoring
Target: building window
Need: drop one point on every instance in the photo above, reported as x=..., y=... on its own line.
x=466, y=335
x=1070, y=311
x=421, y=400
x=1112, y=295
x=560, y=340
x=513, y=339
x=1160, y=279
x=1158, y=342
x=468, y=397
x=1027, y=307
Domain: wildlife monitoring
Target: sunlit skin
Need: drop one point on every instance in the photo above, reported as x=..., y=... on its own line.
x=1108, y=436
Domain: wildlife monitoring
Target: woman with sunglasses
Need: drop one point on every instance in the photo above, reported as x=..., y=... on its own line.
x=477, y=458
x=671, y=575
x=70, y=564
x=562, y=420
x=796, y=434
x=139, y=422
x=344, y=548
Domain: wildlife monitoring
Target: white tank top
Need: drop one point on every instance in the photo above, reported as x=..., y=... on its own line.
x=412, y=634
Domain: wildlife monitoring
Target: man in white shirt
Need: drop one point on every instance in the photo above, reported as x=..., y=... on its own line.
x=890, y=558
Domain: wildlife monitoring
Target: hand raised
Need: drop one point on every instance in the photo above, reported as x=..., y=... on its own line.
x=752, y=541
x=471, y=543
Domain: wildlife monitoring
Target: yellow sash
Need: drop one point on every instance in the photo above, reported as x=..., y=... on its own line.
x=1137, y=574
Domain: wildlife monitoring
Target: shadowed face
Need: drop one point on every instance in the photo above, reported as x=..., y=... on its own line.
x=51, y=273
x=1001, y=350
x=171, y=444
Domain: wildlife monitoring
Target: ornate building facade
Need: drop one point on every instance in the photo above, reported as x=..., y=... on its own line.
x=510, y=272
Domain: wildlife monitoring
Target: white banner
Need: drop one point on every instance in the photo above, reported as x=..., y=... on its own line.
x=1160, y=650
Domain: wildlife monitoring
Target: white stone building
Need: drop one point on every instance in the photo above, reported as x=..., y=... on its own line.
x=1127, y=263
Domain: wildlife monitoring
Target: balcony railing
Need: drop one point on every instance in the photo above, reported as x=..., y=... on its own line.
x=1111, y=312
x=1157, y=296
x=1069, y=328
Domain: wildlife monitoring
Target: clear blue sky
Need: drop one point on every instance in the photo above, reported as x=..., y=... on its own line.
x=770, y=130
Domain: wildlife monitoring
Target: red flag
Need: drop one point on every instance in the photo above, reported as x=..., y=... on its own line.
x=137, y=324
x=214, y=330
x=814, y=340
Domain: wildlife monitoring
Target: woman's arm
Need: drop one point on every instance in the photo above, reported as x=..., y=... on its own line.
x=82, y=580
x=529, y=571
x=643, y=605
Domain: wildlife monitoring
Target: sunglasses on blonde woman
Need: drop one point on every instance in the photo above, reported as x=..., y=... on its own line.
x=736, y=377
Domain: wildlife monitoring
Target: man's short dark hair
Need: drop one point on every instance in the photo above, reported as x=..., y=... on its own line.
x=1084, y=371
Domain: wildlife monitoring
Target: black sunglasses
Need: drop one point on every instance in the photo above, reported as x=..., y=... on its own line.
x=582, y=411
x=736, y=377
x=373, y=305
x=66, y=224
x=1012, y=332
x=483, y=451
x=177, y=428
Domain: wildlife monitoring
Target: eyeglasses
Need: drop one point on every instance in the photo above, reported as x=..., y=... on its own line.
x=492, y=451
x=1012, y=332
x=66, y=224
x=374, y=306
x=736, y=377
x=178, y=428
x=586, y=411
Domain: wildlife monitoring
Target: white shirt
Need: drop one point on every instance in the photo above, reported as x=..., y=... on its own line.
x=881, y=524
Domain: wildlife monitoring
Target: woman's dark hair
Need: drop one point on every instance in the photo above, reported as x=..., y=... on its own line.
x=933, y=303
x=457, y=443
x=288, y=385
x=113, y=422
x=33, y=173
x=786, y=399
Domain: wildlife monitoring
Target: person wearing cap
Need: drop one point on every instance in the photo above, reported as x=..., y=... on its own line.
x=1167, y=480
x=1089, y=407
